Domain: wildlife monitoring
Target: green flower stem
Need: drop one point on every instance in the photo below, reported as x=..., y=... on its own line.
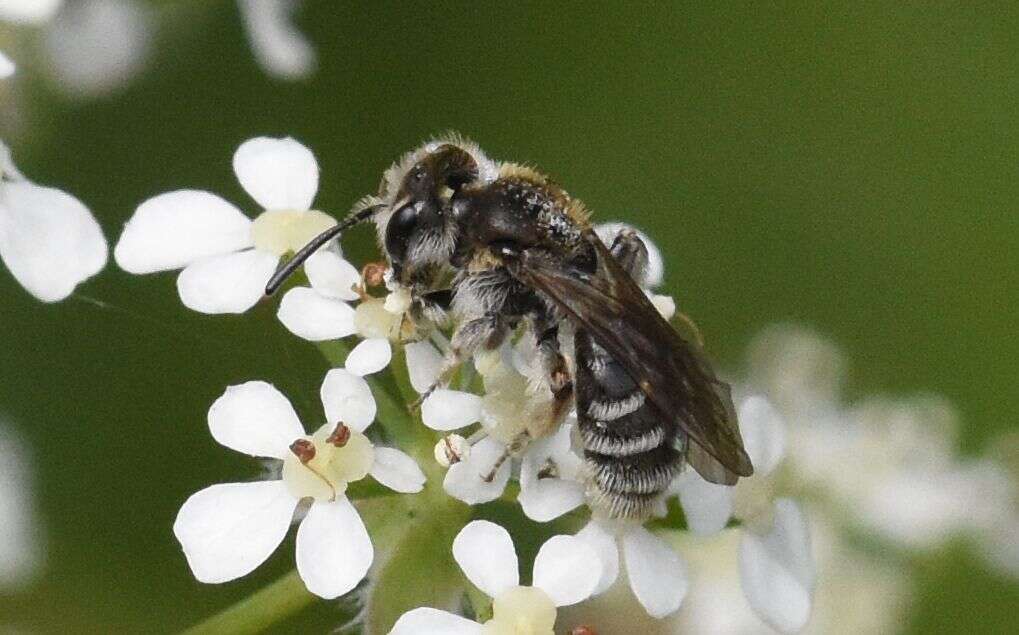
x=255, y=613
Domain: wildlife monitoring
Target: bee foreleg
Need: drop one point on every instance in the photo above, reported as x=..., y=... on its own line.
x=484, y=333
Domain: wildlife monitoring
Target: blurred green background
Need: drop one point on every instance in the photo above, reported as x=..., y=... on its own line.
x=846, y=166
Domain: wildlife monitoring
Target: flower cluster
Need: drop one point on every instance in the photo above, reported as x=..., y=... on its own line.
x=497, y=414
x=713, y=556
x=92, y=47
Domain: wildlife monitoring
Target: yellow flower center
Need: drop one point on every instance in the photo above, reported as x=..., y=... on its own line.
x=282, y=231
x=321, y=466
x=522, y=610
x=373, y=319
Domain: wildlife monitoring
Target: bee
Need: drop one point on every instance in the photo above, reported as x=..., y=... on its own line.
x=492, y=247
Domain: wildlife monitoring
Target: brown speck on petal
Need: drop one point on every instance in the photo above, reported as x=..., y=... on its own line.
x=583, y=630
x=340, y=436
x=303, y=449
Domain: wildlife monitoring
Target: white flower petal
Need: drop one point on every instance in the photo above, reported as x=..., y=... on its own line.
x=544, y=499
x=424, y=363
x=605, y=546
x=8, y=170
x=96, y=46
x=256, y=419
x=567, y=569
x=429, y=621
x=486, y=555
x=332, y=276
x=707, y=506
x=172, y=230
x=369, y=356
x=397, y=471
x=655, y=272
x=347, y=397
x=777, y=569
x=334, y=551
x=446, y=410
x=227, y=530
x=7, y=66
x=28, y=11
x=280, y=174
x=226, y=284
x=657, y=574
x=763, y=432
x=314, y=317
x=465, y=480
x=280, y=48
x=48, y=239
x=549, y=498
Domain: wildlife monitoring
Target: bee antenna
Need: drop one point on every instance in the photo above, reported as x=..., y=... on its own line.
x=290, y=266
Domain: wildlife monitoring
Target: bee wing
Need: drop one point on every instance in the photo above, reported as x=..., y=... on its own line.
x=671, y=372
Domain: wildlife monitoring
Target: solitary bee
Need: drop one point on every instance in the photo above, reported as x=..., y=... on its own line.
x=493, y=246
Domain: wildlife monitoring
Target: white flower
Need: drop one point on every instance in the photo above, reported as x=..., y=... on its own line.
x=95, y=46
x=21, y=542
x=48, y=239
x=888, y=466
x=89, y=47
x=227, y=258
x=511, y=409
x=321, y=312
x=7, y=66
x=227, y=530
x=656, y=573
x=28, y=12
x=565, y=572
x=280, y=48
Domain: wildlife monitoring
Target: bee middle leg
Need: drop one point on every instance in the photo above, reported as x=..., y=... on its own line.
x=483, y=333
x=557, y=372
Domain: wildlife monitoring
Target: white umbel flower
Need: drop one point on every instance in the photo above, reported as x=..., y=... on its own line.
x=226, y=257
x=565, y=572
x=7, y=66
x=279, y=47
x=49, y=240
x=29, y=12
x=22, y=552
x=93, y=47
x=656, y=573
x=227, y=530
x=777, y=571
x=549, y=469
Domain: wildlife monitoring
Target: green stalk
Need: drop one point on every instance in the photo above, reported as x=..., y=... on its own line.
x=258, y=611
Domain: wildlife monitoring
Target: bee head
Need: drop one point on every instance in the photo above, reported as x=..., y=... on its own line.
x=411, y=210
x=415, y=228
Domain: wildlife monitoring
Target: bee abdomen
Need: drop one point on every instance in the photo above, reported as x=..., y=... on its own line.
x=629, y=448
x=600, y=438
x=610, y=409
x=645, y=473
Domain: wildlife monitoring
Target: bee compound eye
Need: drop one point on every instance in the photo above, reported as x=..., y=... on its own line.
x=399, y=230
